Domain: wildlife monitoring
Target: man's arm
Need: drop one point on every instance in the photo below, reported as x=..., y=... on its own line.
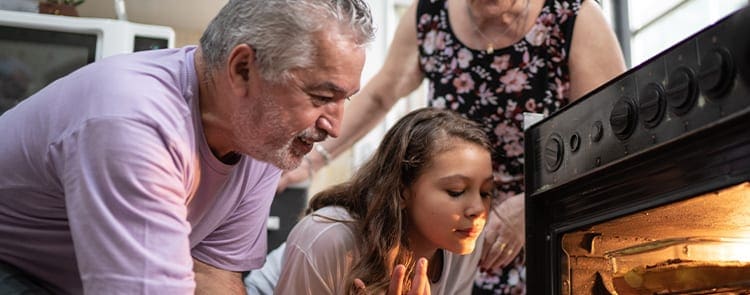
x=210, y=280
x=125, y=203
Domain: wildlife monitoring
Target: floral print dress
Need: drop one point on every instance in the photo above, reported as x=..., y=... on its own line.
x=495, y=89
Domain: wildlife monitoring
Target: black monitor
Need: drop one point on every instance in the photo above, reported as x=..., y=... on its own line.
x=32, y=58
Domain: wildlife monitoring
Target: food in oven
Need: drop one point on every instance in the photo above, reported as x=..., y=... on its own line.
x=691, y=265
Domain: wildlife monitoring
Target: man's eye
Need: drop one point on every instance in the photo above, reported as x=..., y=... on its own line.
x=320, y=100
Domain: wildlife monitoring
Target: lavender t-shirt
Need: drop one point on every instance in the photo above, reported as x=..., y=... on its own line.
x=107, y=184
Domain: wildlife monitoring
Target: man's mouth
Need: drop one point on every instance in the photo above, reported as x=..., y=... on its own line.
x=305, y=143
x=308, y=141
x=312, y=137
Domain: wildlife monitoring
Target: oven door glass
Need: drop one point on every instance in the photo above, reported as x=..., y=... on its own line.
x=700, y=245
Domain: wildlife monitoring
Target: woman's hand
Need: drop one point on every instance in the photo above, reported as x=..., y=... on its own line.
x=420, y=284
x=505, y=234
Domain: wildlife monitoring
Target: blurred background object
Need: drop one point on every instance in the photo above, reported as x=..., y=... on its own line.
x=20, y=5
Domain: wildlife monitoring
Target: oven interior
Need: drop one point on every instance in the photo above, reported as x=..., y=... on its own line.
x=699, y=245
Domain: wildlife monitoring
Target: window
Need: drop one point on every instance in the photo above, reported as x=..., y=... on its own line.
x=654, y=26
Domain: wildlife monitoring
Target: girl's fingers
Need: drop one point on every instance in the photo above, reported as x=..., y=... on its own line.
x=397, y=280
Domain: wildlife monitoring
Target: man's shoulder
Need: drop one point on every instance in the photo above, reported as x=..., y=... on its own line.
x=134, y=72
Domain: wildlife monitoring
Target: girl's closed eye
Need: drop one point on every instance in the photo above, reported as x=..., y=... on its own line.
x=455, y=193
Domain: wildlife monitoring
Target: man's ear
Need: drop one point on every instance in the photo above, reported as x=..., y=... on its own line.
x=239, y=68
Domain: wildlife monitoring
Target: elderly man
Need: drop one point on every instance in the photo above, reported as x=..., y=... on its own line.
x=154, y=172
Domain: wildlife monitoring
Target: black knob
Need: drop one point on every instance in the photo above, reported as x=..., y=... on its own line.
x=575, y=142
x=652, y=104
x=681, y=90
x=717, y=73
x=623, y=118
x=553, y=153
x=597, y=130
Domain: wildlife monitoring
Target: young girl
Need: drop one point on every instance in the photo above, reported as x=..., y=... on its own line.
x=408, y=220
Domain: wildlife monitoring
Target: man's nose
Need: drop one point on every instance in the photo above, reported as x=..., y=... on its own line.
x=330, y=119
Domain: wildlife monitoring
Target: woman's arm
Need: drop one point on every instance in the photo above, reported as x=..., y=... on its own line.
x=595, y=55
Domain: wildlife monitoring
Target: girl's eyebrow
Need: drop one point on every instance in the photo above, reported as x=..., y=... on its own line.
x=464, y=177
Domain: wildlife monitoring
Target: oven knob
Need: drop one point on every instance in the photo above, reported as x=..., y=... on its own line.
x=717, y=73
x=652, y=104
x=574, y=142
x=681, y=90
x=553, y=153
x=623, y=118
x=597, y=131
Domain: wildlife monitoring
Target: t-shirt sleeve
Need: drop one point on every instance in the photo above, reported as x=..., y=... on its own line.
x=125, y=195
x=239, y=243
x=317, y=259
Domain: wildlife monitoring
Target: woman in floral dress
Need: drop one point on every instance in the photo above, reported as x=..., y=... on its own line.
x=490, y=60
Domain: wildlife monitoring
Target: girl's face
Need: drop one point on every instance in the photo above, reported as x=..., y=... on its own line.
x=447, y=205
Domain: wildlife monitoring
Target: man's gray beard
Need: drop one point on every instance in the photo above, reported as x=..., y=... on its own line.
x=284, y=159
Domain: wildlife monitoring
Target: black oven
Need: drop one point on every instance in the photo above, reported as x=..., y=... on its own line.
x=643, y=186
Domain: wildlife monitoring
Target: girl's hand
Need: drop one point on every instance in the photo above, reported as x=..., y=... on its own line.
x=420, y=284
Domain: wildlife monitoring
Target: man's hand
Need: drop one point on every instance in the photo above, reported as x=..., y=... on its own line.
x=211, y=280
x=420, y=284
x=504, y=234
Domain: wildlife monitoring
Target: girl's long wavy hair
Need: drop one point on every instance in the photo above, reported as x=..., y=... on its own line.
x=375, y=194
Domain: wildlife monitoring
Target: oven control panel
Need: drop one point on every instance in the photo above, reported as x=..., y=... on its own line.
x=697, y=83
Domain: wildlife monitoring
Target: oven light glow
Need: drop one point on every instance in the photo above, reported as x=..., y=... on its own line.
x=737, y=252
x=734, y=250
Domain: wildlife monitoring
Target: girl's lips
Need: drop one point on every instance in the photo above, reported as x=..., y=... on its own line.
x=471, y=232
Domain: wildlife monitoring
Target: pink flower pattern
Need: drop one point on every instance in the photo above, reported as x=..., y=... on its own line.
x=500, y=63
x=495, y=89
x=514, y=80
x=463, y=83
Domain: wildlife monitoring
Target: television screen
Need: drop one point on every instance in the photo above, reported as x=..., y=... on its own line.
x=30, y=59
